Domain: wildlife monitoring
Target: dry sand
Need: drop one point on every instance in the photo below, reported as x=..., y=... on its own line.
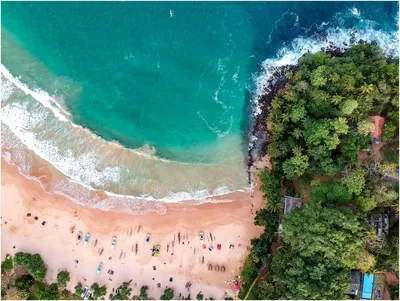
x=229, y=223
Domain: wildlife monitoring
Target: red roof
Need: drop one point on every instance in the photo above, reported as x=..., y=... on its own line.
x=379, y=122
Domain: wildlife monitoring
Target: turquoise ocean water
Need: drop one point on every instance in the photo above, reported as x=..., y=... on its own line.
x=123, y=98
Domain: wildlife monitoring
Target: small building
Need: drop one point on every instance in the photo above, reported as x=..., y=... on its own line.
x=355, y=280
x=379, y=123
x=380, y=222
x=291, y=203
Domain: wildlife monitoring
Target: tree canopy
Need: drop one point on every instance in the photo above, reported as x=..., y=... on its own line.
x=34, y=264
x=47, y=293
x=124, y=291
x=98, y=291
x=321, y=119
x=168, y=294
x=62, y=278
x=318, y=123
x=317, y=255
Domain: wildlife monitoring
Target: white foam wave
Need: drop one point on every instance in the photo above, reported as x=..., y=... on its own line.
x=49, y=102
x=38, y=94
x=78, y=170
x=6, y=90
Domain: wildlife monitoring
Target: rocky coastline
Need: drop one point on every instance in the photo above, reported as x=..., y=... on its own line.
x=259, y=136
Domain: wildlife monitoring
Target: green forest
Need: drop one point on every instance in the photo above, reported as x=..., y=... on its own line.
x=320, y=127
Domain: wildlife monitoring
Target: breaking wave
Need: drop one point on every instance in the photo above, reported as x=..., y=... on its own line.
x=97, y=173
x=330, y=34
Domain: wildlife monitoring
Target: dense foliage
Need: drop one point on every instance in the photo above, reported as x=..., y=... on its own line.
x=98, y=291
x=24, y=282
x=143, y=293
x=168, y=294
x=62, y=278
x=34, y=264
x=7, y=265
x=47, y=293
x=124, y=291
x=321, y=245
x=318, y=125
x=320, y=120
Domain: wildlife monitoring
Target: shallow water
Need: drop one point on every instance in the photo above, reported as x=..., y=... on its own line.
x=123, y=98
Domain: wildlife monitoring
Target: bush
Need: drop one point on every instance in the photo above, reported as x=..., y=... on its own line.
x=7, y=265
x=168, y=294
x=392, y=157
x=62, y=278
x=124, y=291
x=49, y=293
x=270, y=186
x=260, y=248
x=36, y=267
x=333, y=192
x=249, y=273
x=98, y=291
x=34, y=264
x=394, y=291
x=267, y=219
x=78, y=289
x=199, y=296
x=21, y=258
x=143, y=293
x=24, y=282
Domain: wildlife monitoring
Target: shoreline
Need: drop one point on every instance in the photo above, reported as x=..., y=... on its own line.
x=229, y=223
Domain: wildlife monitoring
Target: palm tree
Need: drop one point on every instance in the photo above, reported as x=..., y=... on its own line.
x=334, y=78
x=274, y=205
x=297, y=133
x=285, y=117
x=337, y=99
x=366, y=89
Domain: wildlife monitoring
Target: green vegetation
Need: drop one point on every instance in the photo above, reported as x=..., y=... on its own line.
x=34, y=264
x=320, y=120
x=24, y=282
x=318, y=125
x=62, y=278
x=124, y=291
x=48, y=293
x=78, y=289
x=168, y=294
x=143, y=293
x=199, y=296
x=321, y=245
x=98, y=291
x=7, y=265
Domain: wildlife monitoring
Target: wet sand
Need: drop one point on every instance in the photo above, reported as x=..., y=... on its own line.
x=228, y=223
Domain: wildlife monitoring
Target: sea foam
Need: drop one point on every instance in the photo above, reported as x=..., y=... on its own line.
x=91, y=166
x=338, y=37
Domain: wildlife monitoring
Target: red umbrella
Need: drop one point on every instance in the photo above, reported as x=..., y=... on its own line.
x=219, y=246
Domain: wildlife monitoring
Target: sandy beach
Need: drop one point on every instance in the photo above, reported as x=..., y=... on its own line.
x=181, y=259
